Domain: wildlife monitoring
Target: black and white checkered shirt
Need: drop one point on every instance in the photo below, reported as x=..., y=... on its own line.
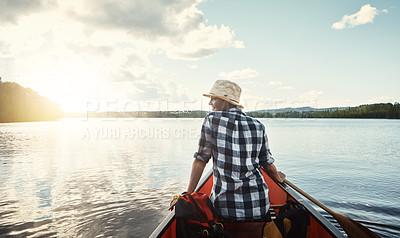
x=239, y=146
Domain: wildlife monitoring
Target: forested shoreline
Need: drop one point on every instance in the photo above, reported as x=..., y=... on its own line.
x=19, y=104
x=379, y=110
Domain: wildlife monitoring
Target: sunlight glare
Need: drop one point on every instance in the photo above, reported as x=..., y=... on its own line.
x=76, y=83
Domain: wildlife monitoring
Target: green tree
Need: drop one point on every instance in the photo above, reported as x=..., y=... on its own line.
x=18, y=104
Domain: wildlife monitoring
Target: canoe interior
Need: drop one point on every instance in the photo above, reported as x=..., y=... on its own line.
x=319, y=226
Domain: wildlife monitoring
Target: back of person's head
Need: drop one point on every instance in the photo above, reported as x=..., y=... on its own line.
x=226, y=90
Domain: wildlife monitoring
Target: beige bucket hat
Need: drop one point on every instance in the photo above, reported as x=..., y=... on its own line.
x=226, y=90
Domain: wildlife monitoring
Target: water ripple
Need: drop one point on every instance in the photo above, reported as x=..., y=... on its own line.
x=57, y=182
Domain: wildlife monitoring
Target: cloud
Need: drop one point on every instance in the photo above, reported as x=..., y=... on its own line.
x=310, y=98
x=151, y=18
x=364, y=16
x=201, y=42
x=12, y=10
x=286, y=88
x=383, y=99
x=253, y=102
x=173, y=92
x=312, y=94
x=279, y=83
x=239, y=74
x=95, y=28
x=176, y=27
x=275, y=83
x=47, y=42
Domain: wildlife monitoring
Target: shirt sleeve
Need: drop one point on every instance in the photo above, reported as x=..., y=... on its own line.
x=204, y=151
x=265, y=156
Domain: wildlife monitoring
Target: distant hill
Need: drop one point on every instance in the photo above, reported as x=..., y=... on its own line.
x=19, y=104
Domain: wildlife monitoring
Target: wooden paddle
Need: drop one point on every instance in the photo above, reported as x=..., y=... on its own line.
x=351, y=227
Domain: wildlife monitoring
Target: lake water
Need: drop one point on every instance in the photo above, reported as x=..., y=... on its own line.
x=109, y=177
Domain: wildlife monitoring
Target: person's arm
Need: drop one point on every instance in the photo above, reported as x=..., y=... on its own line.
x=201, y=157
x=195, y=175
x=274, y=174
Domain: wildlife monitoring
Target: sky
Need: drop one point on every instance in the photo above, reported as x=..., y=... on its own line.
x=104, y=55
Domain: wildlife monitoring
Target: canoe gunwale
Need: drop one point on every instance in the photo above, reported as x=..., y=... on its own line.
x=159, y=231
x=334, y=231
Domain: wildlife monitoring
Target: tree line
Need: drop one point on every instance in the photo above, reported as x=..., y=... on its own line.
x=142, y=114
x=19, y=104
x=378, y=110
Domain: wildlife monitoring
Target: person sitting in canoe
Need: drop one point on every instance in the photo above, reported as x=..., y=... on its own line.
x=239, y=147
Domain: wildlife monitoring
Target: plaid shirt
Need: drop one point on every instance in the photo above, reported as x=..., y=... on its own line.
x=239, y=146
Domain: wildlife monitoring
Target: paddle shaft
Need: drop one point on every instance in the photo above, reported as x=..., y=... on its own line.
x=351, y=227
x=315, y=201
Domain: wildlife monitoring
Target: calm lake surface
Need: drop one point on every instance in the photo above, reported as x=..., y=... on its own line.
x=109, y=177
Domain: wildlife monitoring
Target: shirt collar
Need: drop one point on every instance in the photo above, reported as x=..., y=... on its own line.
x=236, y=110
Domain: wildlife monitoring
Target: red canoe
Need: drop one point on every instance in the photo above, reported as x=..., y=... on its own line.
x=319, y=225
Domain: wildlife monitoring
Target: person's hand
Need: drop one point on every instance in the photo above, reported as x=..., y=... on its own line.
x=173, y=202
x=282, y=176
